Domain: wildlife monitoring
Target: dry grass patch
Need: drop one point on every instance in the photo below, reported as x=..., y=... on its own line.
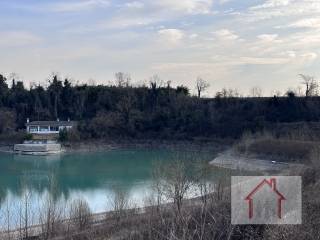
x=291, y=150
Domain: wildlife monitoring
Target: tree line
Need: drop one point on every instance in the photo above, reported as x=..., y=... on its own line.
x=154, y=110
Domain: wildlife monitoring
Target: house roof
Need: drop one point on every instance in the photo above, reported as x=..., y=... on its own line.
x=51, y=123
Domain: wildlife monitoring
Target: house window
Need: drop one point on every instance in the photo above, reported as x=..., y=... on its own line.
x=33, y=129
x=44, y=128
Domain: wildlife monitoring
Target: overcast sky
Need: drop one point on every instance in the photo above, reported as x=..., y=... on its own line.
x=230, y=43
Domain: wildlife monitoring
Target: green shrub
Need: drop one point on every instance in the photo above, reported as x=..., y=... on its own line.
x=63, y=135
x=28, y=137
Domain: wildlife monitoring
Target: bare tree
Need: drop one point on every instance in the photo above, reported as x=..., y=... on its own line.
x=310, y=84
x=176, y=182
x=155, y=82
x=80, y=214
x=255, y=92
x=203, y=184
x=25, y=214
x=229, y=93
x=169, y=83
x=157, y=183
x=51, y=213
x=201, y=85
x=122, y=79
x=275, y=93
x=126, y=107
x=7, y=213
x=119, y=202
x=299, y=91
x=92, y=82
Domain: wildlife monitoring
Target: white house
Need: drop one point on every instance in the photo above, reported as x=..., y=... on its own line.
x=48, y=127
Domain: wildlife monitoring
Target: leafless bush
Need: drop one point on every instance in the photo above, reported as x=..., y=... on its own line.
x=119, y=203
x=50, y=218
x=5, y=218
x=25, y=214
x=206, y=187
x=311, y=85
x=203, y=218
x=51, y=214
x=157, y=193
x=176, y=182
x=197, y=221
x=80, y=214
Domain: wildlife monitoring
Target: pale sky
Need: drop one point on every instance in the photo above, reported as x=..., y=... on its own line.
x=230, y=43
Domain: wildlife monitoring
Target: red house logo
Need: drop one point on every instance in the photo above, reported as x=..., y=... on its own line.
x=272, y=185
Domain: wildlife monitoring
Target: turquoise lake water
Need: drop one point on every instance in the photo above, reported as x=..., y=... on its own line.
x=92, y=176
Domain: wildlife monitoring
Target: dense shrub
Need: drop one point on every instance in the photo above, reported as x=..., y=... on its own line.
x=63, y=135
